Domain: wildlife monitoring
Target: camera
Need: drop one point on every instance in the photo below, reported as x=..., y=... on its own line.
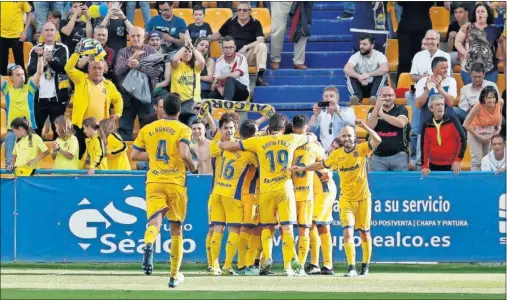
x=323, y=104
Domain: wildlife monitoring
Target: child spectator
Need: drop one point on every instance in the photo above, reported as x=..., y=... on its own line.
x=54, y=16
x=96, y=145
x=29, y=149
x=199, y=28
x=117, y=158
x=66, y=147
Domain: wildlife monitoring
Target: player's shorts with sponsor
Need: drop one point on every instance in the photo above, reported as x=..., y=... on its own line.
x=356, y=214
x=250, y=210
x=226, y=210
x=168, y=199
x=277, y=206
x=323, y=207
x=304, y=211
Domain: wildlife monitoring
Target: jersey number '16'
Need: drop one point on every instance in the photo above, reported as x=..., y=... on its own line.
x=282, y=158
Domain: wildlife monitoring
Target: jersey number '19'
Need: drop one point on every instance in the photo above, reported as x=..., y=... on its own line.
x=282, y=158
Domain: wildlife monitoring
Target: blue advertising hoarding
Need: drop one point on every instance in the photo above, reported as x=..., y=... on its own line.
x=102, y=218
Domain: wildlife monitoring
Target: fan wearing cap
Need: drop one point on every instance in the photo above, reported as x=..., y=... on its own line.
x=155, y=40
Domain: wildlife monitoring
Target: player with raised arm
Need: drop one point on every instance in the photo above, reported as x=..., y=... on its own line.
x=355, y=196
x=303, y=186
x=165, y=144
x=276, y=199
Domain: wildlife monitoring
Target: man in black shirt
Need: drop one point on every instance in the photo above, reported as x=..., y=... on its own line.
x=118, y=27
x=461, y=16
x=74, y=28
x=199, y=28
x=247, y=32
x=390, y=122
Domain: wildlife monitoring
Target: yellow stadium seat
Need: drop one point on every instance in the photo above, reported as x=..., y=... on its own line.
x=185, y=14
x=216, y=17
x=500, y=82
x=392, y=54
x=440, y=20
x=138, y=17
x=209, y=4
x=3, y=123
x=218, y=112
x=2, y=156
x=262, y=14
x=27, y=47
x=456, y=68
x=409, y=110
x=361, y=112
x=459, y=85
x=404, y=81
x=215, y=50
x=467, y=160
x=500, y=67
x=400, y=101
x=252, y=69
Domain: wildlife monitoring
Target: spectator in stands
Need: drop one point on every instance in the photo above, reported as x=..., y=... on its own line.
x=203, y=45
x=13, y=32
x=154, y=40
x=29, y=149
x=145, y=10
x=495, y=160
x=101, y=34
x=74, y=29
x=66, y=147
x=104, y=94
x=414, y=23
x=52, y=97
x=421, y=63
x=348, y=13
x=55, y=17
x=279, y=17
x=478, y=41
x=469, y=94
x=199, y=28
x=187, y=65
x=366, y=71
x=335, y=144
x=118, y=26
x=390, y=121
x=249, y=38
x=443, y=140
x=230, y=80
x=19, y=101
x=43, y=9
x=117, y=157
x=461, y=18
x=200, y=148
x=483, y=122
x=173, y=28
x=437, y=83
x=329, y=118
x=369, y=17
x=128, y=59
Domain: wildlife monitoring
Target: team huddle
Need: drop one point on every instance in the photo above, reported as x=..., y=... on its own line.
x=262, y=180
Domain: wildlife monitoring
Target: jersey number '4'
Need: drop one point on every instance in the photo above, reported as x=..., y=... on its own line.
x=162, y=151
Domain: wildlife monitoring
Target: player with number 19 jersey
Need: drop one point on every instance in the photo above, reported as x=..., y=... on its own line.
x=166, y=176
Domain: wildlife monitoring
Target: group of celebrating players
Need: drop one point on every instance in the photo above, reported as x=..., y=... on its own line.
x=261, y=180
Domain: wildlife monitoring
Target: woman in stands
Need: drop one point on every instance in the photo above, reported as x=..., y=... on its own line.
x=96, y=146
x=482, y=123
x=66, y=147
x=29, y=149
x=203, y=46
x=478, y=41
x=117, y=158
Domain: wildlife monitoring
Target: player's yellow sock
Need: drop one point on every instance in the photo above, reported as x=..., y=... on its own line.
x=267, y=243
x=176, y=254
x=303, y=248
x=215, y=245
x=350, y=252
x=294, y=252
x=327, y=249
x=314, y=246
x=150, y=234
x=287, y=248
x=244, y=237
x=230, y=249
x=208, y=251
x=254, y=244
x=366, y=246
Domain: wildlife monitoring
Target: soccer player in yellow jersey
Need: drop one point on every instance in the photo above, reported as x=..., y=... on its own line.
x=355, y=196
x=303, y=186
x=227, y=130
x=276, y=199
x=165, y=144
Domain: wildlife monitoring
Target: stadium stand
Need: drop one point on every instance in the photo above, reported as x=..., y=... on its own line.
x=185, y=14
x=3, y=121
x=392, y=54
x=138, y=17
x=440, y=19
x=27, y=46
x=262, y=14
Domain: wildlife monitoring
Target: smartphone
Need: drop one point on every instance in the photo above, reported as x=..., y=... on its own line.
x=412, y=89
x=115, y=5
x=323, y=104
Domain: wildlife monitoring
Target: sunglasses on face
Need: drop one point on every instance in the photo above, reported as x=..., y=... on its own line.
x=243, y=9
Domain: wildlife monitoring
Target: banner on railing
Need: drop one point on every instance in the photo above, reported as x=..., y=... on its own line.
x=103, y=218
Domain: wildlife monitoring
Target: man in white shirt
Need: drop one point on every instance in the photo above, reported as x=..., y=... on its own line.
x=231, y=80
x=469, y=94
x=366, y=71
x=495, y=160
x=328, y=118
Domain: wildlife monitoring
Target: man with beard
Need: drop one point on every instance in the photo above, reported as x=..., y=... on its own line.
x=366, y=71
x=355, y=196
